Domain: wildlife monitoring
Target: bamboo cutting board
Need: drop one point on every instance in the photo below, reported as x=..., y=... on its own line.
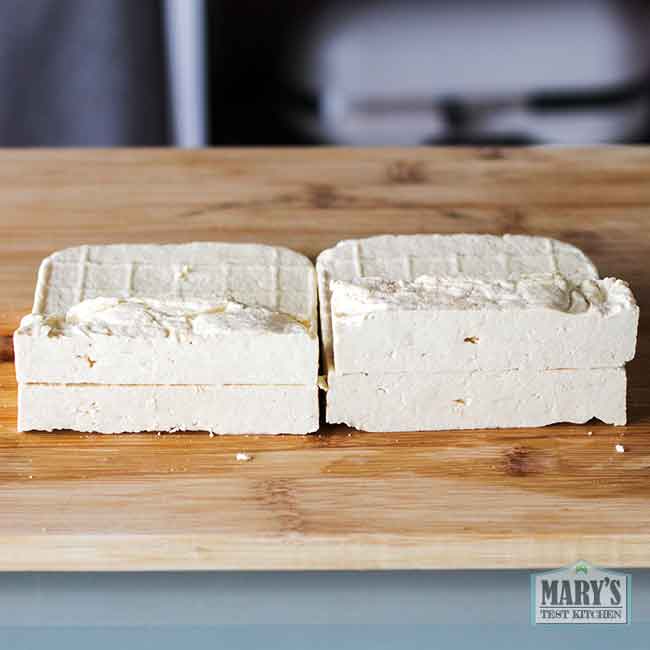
x=339, y=499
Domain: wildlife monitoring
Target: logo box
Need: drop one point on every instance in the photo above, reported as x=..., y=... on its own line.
x=580, y=593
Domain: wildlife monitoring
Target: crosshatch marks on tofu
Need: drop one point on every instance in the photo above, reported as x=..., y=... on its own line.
x=268, y=276
x=172, y=316
x=408, y=257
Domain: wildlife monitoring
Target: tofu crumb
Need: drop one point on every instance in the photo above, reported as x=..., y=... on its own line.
x=242, y=456
x=183, y=272
x=211, y=434
x=590, y=433
x=619, y=449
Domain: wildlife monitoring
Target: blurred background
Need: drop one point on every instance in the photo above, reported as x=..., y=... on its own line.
x=387, y=72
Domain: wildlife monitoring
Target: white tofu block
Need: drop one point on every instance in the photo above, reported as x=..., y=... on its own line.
x=405, y=354
x=480, y=400
x=201, y=313
x=447, y=324
x=136, y=341
x=219, y=409
x=407, y=257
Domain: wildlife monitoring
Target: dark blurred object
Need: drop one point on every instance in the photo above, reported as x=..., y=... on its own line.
x=361, y=72
x=82, y=72
x=414, y=72
x=245, y=49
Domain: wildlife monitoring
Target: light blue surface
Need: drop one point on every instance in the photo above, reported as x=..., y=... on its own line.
x=329, y=637
x=341, y=637
x=463, y=609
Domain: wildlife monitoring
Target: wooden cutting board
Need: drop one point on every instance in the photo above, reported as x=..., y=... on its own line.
x=339, y=499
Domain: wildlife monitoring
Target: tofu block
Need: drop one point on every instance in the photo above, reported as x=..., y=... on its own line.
x=219, y=409
x=435, y=332
x=147, y=341
x=201, y=313
x=407, y=257
x=445, y=324
x=478, y=400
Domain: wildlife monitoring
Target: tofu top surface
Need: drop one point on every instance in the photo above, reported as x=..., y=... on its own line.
x=464, y=293
x=207, y=274
x=407, y=257
x=183, y=320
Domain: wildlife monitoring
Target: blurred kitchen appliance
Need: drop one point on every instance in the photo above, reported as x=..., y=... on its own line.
x=473, y=71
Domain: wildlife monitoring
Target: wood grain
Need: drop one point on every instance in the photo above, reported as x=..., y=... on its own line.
x=339, y=499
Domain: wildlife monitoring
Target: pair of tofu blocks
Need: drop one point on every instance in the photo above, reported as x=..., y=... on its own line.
x=419, y=332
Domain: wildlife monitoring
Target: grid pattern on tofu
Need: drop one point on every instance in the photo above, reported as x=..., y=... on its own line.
x=407, y=257
x=268, y=276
